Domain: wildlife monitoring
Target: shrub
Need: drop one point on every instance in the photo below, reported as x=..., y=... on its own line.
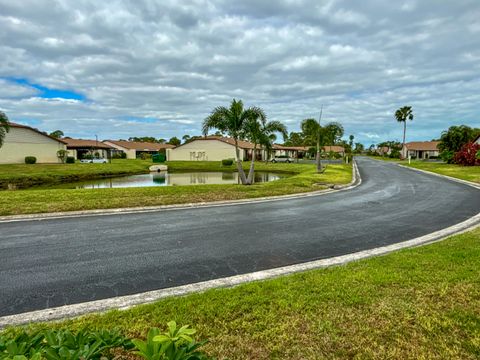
x=447, y=156
x=62, y=155
x=467, y=156
x=30, y=159
x=145, y=156
x=176, y=343
x=70, y=160
x=394, y=154
x=227, y=162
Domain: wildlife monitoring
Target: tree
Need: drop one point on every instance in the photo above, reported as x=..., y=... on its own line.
x=57, y=134
x=4, y=127
x=359, y=148
x=351, y=137
x=260, y=132
x=295, y=139
x=402, y=115
x=185, y=138
x=312, y=132
x=333, y=133
x=161, y=141
x=452, y=140
x=174, y=141
x=232, y=121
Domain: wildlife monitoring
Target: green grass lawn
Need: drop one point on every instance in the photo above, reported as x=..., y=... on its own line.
x=469, y=173
x=24, y=175
x=420, y=303
x=304, y=179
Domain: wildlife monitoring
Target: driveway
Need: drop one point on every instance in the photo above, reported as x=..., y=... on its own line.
x=53, y=262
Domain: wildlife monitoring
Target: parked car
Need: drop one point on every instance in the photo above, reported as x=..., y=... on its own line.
x=94, y=161
x=282, y=158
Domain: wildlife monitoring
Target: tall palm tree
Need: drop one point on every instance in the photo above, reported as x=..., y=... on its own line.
x=232, y=121
x=4, y=127
x=402, y=115
x=260, y=132
x=312, y=132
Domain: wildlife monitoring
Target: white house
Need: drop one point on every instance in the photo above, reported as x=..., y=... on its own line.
x=477, y=140
x=22, y=141
x=133, y=149
x=213, y=148
x=79, y=148
x=421, y=149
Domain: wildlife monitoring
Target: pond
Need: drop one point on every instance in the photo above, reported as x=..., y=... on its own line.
x=164, y=178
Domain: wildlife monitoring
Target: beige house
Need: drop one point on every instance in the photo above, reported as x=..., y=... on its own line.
x=213, y=148
x=22, y=141
x=421, y=149
x=133, y=149
x=296, y=152
x=81, y=148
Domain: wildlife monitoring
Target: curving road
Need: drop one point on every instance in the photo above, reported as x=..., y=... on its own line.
x=48, y=263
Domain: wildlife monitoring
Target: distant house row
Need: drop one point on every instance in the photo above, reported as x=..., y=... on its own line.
x=22, y=141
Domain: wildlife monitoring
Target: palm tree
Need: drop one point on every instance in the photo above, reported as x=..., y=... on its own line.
x=402, y=115
x=185, y=138
x=312, y=132
x=4, y=127
x=260, y=132
x=232, y=121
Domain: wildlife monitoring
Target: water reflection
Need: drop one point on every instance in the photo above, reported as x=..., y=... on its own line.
x=173, y=179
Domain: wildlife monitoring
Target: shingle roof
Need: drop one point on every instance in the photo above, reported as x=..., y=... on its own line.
x=138, y=145
x=297, y=148
x=15, y=125
x=334, y=148
x=83, y=143
x=423, y=145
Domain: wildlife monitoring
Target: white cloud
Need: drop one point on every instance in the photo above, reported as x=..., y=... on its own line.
x=173, y=62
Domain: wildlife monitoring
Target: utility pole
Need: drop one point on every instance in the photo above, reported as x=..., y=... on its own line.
x=319, y=164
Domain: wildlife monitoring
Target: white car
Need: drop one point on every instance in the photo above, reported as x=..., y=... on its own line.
x=282, y=158
x=94, y=161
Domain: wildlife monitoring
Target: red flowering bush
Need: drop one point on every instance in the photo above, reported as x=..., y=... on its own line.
x=467, y=156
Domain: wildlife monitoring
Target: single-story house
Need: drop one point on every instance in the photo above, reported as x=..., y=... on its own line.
x=22, y=141
x=296, y=152
x=384, y=150
x=334, y=148
x=421, y=149
x=133, y=149
x=80, y=148
x=213, y=148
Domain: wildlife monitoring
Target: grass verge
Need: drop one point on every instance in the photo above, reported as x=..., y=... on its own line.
x=420, y=303
x=55, y=200
x=469, y=173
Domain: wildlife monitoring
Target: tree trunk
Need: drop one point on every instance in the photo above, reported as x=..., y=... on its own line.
x=319, y=164
x=241, y=173
x=404, y=132
x=251, y=172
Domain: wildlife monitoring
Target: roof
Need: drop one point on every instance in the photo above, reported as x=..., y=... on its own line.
x=423, y=145
x=82, y=143
x=241, y=143
x=20, y=126
x=334, y=148
x=295, y=148
x=138, y=145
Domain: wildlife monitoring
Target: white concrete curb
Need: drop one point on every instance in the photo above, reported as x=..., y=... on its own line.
x=465, y=182
x=125, y=302
x=356, y=181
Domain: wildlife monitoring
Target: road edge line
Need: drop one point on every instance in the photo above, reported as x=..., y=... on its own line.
x=128, y=301
x=356, y=181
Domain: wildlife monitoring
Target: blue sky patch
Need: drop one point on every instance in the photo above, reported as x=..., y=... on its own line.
x=47, y=93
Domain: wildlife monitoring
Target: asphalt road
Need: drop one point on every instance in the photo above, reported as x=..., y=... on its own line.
x=55, y=262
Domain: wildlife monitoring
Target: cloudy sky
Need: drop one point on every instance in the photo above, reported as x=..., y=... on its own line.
x=157, y=68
